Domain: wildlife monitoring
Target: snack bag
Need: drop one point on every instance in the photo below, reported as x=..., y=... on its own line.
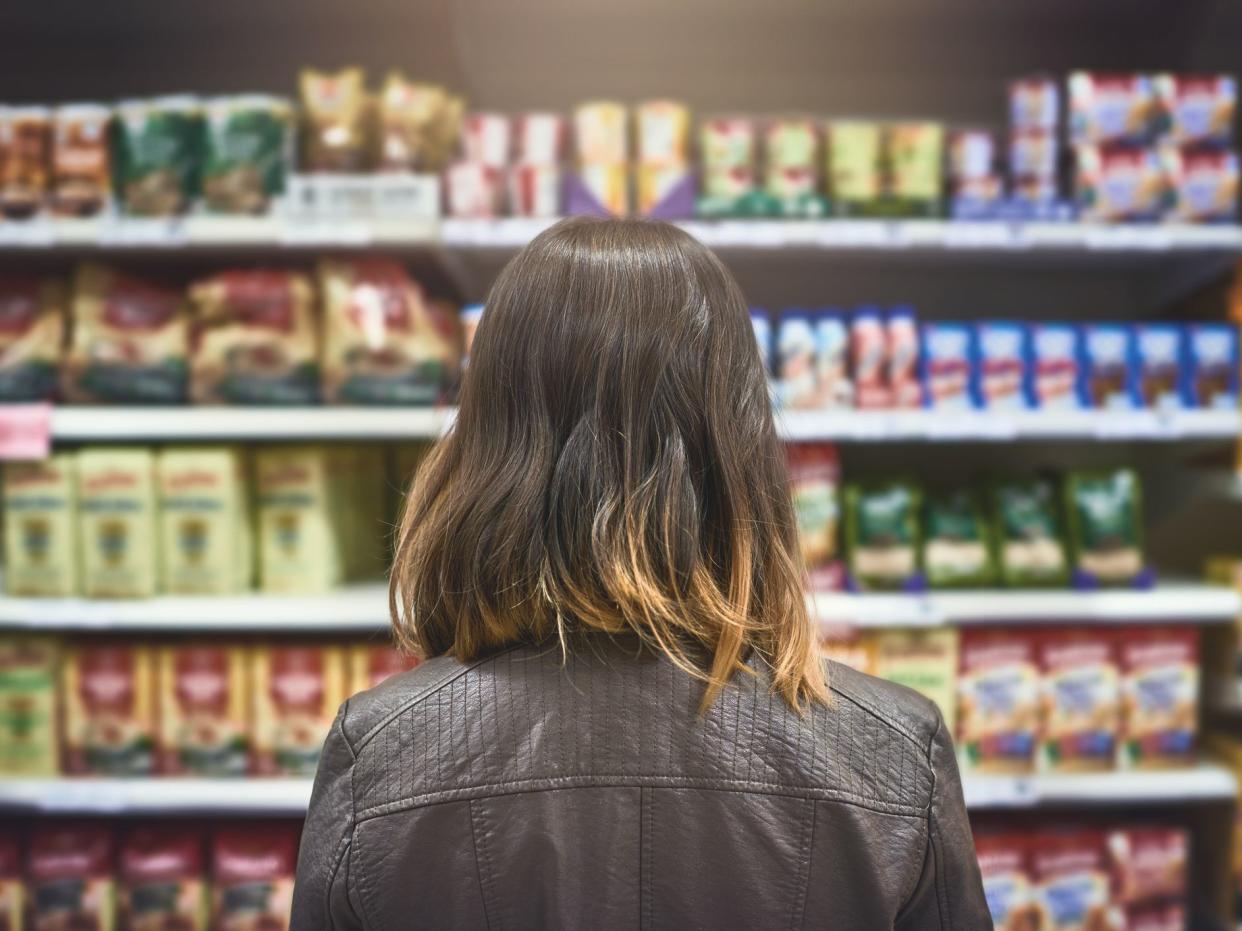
x=1071, y=891
x=1203, y=183
x=998, y=701
x=924, y=660
x=298, y=543
x=1159, y=356
x=108, y=689
x=420, y=125
x=1004, y=866
x=1212, y=365
x=791, y=159
x=1160, y=696
x=795, y=346
x=832, y=352
x=663, y=134
x=204, y=698
x=248, y=152
x=129, y=342
x=25, y=140
x=81, y=169
x=1001, y=371
x=254, y=339
x=40, y=528
x=69, y=868
x=1148, y=863
x=1105, y=524
x=157, y=155
x=948, y=366
x=1112, y=107
x=974, y=182
x=29, y=706
x=601, y=134
x=957, y=546
x=298, y=689
x=372, y=663
x=117, y=522
x=1026, y=518
x=1055, y=367
x=32, y=334
x=854, y=164
x=1081, y=700
x=869, y=359
x=384, y=343
x=335, y=116
x=1197, y=107
x=882, y=533
x=1119, y=182
x=902, y=339
x=728, y=150
x=849, y=647
x=204, y=520
x=815, y=478
x=916, y=167
x=1108, y=352
x=1034, y=104
x=12, y=888
x=162, y=880
x=252, y=868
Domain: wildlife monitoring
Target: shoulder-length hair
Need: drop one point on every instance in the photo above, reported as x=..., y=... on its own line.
x=613, y=467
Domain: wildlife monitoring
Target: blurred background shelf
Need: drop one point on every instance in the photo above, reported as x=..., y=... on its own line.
x=1206, y=782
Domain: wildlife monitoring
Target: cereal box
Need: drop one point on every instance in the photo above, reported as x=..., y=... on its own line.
x=601, y=134
x=1212, y=365
x=1071, y=881
x=204, y=524
x=869, y=359
x=1203, y=183
x=924, y=660
x=253, y=869
x=815, y=478
x=1197, y=107
x=535, y=190
x=1054, y=370
x=795, y=342
x=1006, y=878
x=1111, y=107
x=372, y=663
x=69, y=871
x=486, y=138
x=998, y=701
x=1108, y=352
x=162, y=880
x=1160, y=696
x=1158, y=359
x=832, y=353
x=110, y=712
x=901, y=332
x=1156, y=916
x=12, y=888
x=1081, y=691
x=298, y=546
x=117, y=516
x=1034, y=104
x=1148, y=863
x=297, y=690
x=204, y=695
x=40, y=527
x=948, y=365
x=1001, y=371
x=663, y=133
x=539, y=138
x=28, y=706
x=1119, y=182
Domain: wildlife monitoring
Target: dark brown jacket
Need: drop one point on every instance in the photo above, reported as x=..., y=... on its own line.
x=522, y=792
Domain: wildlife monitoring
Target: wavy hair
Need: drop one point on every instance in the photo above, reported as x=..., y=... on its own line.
x=613, y=467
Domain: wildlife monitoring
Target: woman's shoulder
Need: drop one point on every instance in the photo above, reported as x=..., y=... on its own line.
x=900, y=708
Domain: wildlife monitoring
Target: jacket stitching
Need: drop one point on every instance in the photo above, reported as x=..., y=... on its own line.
x=878, y=715
x=342, y=850
x=646, y=826
x=798, y=918
x=483, y=874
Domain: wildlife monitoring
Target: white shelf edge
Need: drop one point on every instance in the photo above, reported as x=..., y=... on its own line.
x=1205, y=782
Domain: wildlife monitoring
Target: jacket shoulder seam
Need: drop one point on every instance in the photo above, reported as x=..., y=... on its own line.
x=901, y=729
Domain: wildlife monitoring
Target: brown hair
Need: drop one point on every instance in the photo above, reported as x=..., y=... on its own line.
x=613, y=467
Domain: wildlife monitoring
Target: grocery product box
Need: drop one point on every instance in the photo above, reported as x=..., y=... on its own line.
x=162, y=877
x=1107, y=357
x=29, y=705
x=1081, y=697
x=1197, y=108
x=1001, y=376
x=252, y=870
x=1160, y=695
x=118, y=524
x=297, y=690
x=110, y=713
x=1030, y=541
x=41, y=554
x=1212, y=365
x=1120, y=182
x=948, y=365
x=1055, y=367
x=298, y=546
x=204, y=520
x=1159, y=360
x=70, y=868
x=998, y=701
x=205, y=701
x=923, y=660
x=1112, y=107
x=815, y=479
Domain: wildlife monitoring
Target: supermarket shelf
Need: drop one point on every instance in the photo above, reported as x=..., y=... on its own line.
x=164, y=424
x=365, y=608
x=1204, y=783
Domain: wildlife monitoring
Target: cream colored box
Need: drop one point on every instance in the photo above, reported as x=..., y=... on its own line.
x=299, y=549
x=201, y=505
x=924, y=660
x=116, y=500
x=28, y=706
x=40, y=528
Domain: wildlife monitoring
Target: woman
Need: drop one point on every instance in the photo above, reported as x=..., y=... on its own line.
x=624, y=722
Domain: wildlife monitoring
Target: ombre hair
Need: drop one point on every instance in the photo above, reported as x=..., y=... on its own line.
x=613, y=467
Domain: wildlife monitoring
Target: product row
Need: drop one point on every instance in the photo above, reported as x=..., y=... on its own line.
x=140, y=876
x=1083, y=529
x=1116, y=879
x=128, y=522
x=1048, y=700
x=114, y=707
x=358, y=332
x=870, y=359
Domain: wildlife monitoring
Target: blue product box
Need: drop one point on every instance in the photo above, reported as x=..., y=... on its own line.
x=832, y=358
x=1159, y=365
x=948, y=366
x=795, y=359
x=1107, y=364
x=1054, y=371
x=1000, y=373
x=1212, y=365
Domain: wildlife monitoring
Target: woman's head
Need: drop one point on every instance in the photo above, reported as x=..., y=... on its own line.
x=613, y=467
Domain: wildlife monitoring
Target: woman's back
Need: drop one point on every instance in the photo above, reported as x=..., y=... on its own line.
x=524, y=791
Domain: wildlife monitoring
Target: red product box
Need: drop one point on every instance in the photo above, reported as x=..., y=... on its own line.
x=1148, y=863
x=253, y=867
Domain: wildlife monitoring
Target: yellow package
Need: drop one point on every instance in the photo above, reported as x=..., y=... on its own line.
x=108, y=690
x=420, y=125
x=201, y=503
x=32, y=335
x=601, y=133
x=364, y=521
x=28, y=706
x=297, y=691
x=204, y=701
x=335, y=132
x=663, y=134
x=298, y=543
x=854, y=150
x=924, y=660
x=40, y=540
x=609, y=185
x=117, y=507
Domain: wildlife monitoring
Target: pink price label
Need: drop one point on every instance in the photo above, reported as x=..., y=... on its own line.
x=25, y=431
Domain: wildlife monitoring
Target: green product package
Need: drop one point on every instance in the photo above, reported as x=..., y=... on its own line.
x=156, y=148
x=247, y=152
x=1030, y=548
x=1105, y=524
x=957, y=548
x=882, y=533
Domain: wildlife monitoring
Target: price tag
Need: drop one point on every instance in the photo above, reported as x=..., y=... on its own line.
x=25, y=431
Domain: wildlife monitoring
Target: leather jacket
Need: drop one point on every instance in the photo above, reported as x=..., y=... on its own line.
x=536, y=790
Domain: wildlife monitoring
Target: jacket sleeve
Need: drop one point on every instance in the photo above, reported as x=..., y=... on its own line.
x=949, y=893
x=321, y=900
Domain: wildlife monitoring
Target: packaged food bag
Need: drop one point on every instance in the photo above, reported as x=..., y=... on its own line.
x=832, y=360
x=252, y=870
x=957, y=544
x=247, y=152
x=916, y=167
x=384, y=342
x=795, y=347
x=1055, y=368
x=420, y=125
x=162, y=878
x=1197, y=108
x=299, y=546
x=869, y=359
x=298, y=688
x=1026, y=515
x=117, y=522
x=129, y=342
x=32, y=336
x=110, y=719
x=1105, y=524
x=997, y=701
x=901, y=331
x=29, y=706
x=41, y=555
x=1081, y=684
x=815, y=478
x=1120, y=182
x=854, y=160
x=1072, y=882
x=254, y=339
x=1149, y=863
x=1160, y=696
x=1120, y=107
x=372, y=663
x=81, y=159
x=883, y=540
x=25, y=177
x=1202, y=183
x=335, y=132
x=923, y=660
x=69, y=872
x=1159, y=352
x=1005, y=869
x=204, y=699
x=203, y=519
x=1034, y=104
x=157, y=155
